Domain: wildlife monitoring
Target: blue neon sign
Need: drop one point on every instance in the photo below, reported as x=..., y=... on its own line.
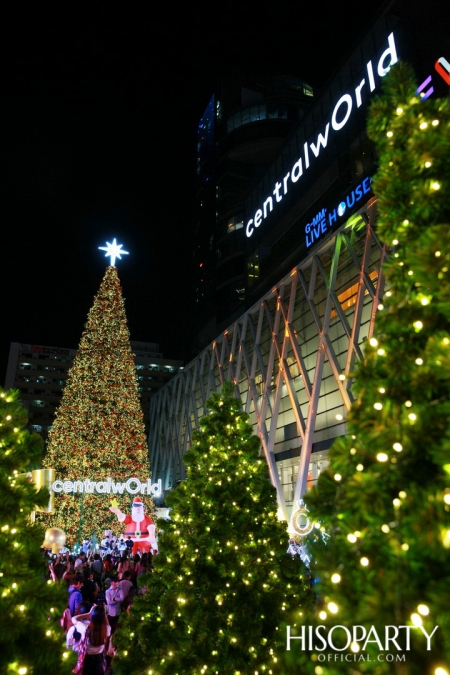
x=325, y=220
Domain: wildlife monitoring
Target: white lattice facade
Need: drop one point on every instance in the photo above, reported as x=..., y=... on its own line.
x=289, y=356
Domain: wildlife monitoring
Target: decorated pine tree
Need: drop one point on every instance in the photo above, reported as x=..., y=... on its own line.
x=386, y=497
x=222, y=582
x=98, y=432
x=31, y=639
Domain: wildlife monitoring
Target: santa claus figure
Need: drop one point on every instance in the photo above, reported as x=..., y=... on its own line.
x=138, y=527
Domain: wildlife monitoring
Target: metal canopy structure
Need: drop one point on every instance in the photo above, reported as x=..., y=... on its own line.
x=290, y=357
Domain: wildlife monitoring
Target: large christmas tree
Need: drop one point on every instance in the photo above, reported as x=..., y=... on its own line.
x=98, y=432
x=222, y=582
x=386, y=497
x=31, y=640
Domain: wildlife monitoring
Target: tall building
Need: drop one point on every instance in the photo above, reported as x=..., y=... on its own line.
x=313, y=273
x=40, y=373
x=240, y=131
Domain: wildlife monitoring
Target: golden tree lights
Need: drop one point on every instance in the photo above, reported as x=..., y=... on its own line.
x=385, y=498
x=98, y=432
x=31, y=605
x=222, y=582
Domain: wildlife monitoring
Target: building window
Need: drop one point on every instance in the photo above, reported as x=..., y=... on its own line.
x=240, y=292
x=235, y=223
x=253, y=267
x=256, y=113
x=347, y=298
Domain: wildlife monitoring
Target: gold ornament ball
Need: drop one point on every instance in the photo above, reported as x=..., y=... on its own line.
x=54, y=539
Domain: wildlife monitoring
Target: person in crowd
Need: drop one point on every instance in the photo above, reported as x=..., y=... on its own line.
x=123, y=566
x=108, y=568
x=114, y=598
x=128, y=589
x=79, y=562
x=73, y=636
x=129, y=544
x=142, y=565
x=97, y=568
x=86, y=546
x=107, y=582
x=107, y=563
x=134, y=562
x=60, y=566
x=75, y=595
x=69, y=573
x=96, y=634
x=105, y=544
x=122, y=547
x=90, y=588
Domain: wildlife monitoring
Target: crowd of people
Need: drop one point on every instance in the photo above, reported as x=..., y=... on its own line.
x=117, y=546
x=100, y=587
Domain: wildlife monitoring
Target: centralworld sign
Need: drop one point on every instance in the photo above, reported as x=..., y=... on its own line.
x=132, y=486
x=312, y=149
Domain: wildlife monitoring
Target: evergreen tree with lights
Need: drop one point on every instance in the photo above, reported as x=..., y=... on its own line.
x=98, y=432
x=31, y=639
x=222, y=582
x=386, y=496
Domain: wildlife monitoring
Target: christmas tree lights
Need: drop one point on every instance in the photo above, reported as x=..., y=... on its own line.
x=222, y=581
x=98, y=432
x=386, y=496
x=31, y=640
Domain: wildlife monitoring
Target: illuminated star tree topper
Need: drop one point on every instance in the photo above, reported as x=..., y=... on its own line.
x=113, y=251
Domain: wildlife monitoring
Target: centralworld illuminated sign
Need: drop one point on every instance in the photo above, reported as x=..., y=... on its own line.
x=132, y=486
x=342, y=112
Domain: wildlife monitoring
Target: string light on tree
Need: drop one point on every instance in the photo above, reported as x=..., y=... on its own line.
x=230, y=563
x=28, y=599
x=397, y=567
x=98, y=432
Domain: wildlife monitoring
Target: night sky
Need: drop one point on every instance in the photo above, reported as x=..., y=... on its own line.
x=99, y=141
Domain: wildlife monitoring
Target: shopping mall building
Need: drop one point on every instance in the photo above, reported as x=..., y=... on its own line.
x=305, y=264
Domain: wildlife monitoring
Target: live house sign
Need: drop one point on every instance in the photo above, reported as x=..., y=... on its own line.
x=342, y=112
x=325, y=220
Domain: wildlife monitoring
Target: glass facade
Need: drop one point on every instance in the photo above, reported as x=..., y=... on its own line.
x=255, y=113
x=289, y=357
